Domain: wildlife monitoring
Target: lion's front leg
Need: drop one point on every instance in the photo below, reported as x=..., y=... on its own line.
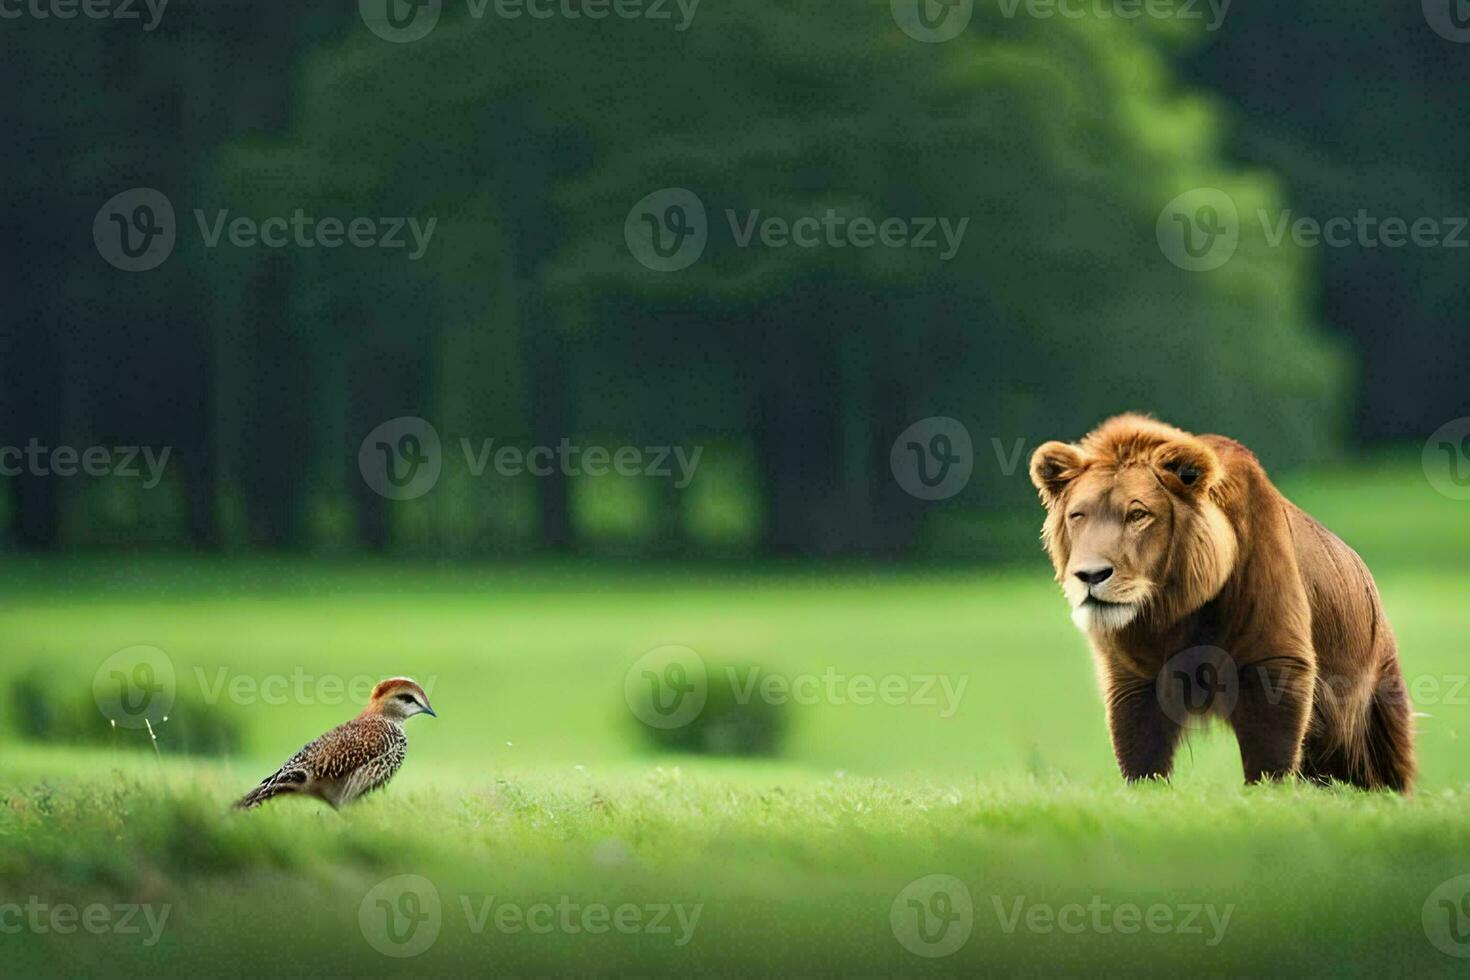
x=1271, y=716
x=1144, y=737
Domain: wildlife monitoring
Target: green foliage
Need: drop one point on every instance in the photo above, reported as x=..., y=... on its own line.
x=1060, y=140
x=793, y=872
x=737, y=718
x=49, y=707
x=532, y=785
x=535, y=653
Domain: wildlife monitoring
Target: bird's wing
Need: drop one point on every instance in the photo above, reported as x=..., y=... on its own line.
x=293, y=776
x=358, y=756
x=374, y=772
x=345, y=748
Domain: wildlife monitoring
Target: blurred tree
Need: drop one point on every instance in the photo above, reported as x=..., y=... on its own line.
x=94, y=355
x=1358, y=107
x=1057, y=142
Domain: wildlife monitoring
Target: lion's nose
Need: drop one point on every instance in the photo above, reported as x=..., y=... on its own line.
x=1094, y=575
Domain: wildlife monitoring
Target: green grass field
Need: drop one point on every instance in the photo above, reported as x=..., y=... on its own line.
x=554, y=839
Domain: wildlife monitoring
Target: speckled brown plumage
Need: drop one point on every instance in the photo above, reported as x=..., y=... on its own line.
x=351, y=759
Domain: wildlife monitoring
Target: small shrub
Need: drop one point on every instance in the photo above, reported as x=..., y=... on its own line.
x=44, y=710
x=733, y=722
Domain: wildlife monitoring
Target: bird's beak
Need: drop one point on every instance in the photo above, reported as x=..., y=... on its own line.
x=430, y=712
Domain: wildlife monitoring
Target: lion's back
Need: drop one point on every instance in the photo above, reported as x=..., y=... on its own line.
x=1348, y=625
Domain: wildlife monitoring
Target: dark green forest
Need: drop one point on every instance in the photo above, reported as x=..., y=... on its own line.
x=525, y=316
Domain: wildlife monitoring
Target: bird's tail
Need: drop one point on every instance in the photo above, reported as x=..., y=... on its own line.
x=278, y=782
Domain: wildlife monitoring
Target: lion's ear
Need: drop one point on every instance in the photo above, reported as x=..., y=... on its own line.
x=1053, y=466
x=1189, y=468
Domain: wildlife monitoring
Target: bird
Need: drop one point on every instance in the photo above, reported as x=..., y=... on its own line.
x=351, y=759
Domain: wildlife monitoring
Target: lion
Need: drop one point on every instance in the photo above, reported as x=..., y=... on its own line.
x=1204, y=593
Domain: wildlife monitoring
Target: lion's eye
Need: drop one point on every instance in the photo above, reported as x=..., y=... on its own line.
x=1134, y=516
x=1076, y=515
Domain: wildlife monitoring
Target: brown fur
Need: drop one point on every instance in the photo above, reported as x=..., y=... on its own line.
x=1168, y=542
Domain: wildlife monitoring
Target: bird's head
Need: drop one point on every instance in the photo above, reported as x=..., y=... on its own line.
x=398, y=698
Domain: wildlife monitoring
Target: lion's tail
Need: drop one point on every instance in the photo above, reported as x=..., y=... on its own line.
x=1390, y=734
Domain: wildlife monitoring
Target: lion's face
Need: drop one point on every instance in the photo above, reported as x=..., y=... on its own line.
x=1133, y=531
x=1115, y=536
